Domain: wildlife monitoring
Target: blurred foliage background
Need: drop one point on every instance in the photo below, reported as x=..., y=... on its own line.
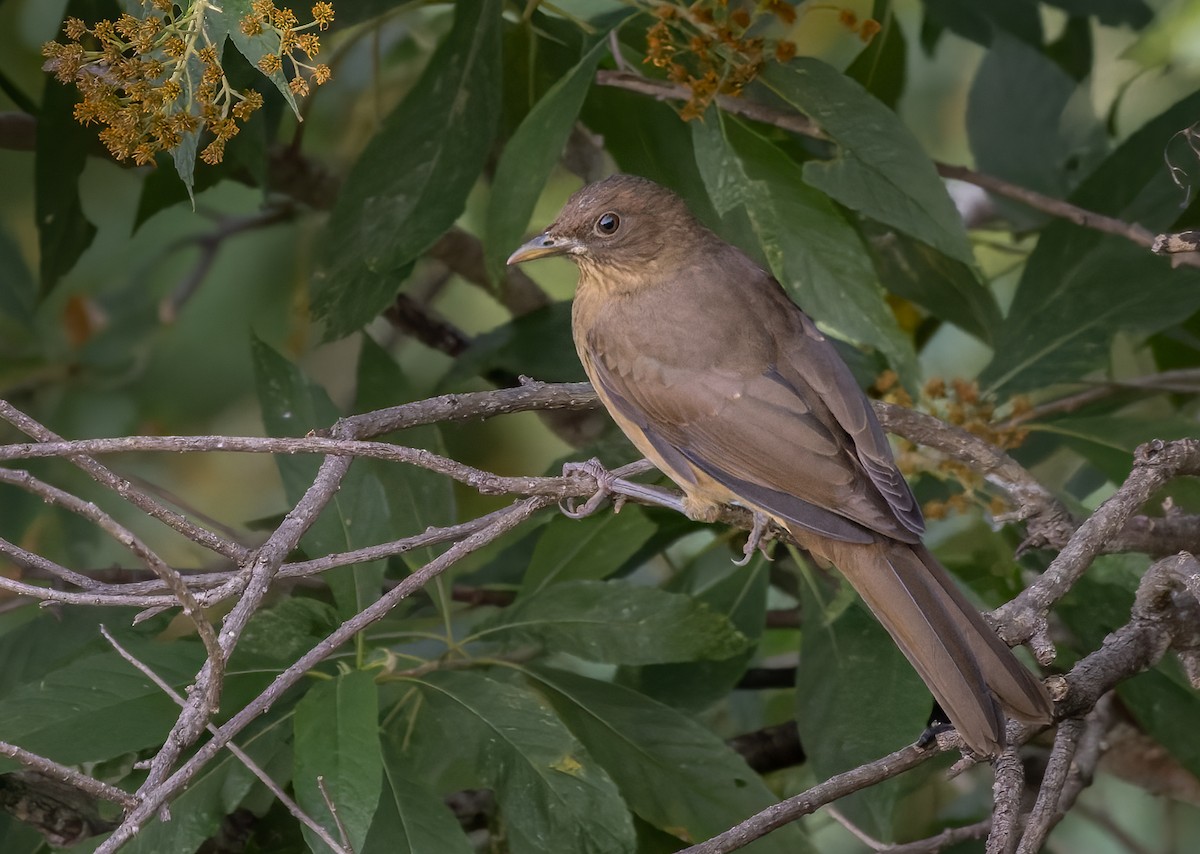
x=354, y=260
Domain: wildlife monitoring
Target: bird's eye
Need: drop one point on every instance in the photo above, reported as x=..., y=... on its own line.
x=608, y=224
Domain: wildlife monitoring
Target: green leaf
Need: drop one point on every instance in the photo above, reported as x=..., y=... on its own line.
x=616, y=622
x=817, y=256
x=358, y=515
x=980, y=20
x=64, y=232
x=1063, y=331
x=18, y=292
x=882, y=67
x=537, y=344
x=948, y=289
x=277, y=636
x=1108, y=441
x=553, y=796
x=1161, y=700
x=411, y=182
x=740, y=594
x=861, y=700
x=1120, y=432
x=99, y=706
x=595, y=547
x=411, y=818
x=880, y=170
x=530, y=155
x=1166, y=707
x=1028, y=124
x=1112, y=13
x=673, y=773
x=41, y=646
x=216, y=792
x=337, y=739
x=1080, y=287
x=418, y=498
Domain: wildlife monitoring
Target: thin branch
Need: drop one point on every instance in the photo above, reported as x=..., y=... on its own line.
x=1078, y=746
x=469, y=406
x=1181, y=381
x=937, y=842
x=241, y=755
x=333, y=811
x=1155, y=463
x=131, y=541
x=268, y=558
x=68, y=776
x=210, y=244
x=234, y=551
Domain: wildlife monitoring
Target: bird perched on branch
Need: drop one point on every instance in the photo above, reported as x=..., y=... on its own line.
x=732, y=391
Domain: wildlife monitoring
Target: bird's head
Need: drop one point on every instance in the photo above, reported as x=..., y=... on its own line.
x=621, y=224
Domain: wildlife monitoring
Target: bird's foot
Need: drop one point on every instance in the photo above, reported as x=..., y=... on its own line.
x=937, y=724
x=756, y=541
x=605, y=483
x=614, y=485
x=930, y=736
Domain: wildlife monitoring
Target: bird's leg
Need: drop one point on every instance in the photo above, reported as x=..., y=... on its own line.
x=756, y=540
x=612, y=485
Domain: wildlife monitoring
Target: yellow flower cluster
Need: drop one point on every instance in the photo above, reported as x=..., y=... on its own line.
x=150, y=80
x=956, y=402
x=715, y=47
x=267, y=19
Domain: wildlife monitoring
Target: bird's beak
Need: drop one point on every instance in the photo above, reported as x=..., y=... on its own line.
x=543, y=246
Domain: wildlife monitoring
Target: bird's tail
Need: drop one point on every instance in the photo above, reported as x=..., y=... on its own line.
x=970, y=671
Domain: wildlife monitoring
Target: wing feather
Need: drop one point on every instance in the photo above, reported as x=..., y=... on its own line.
x=777, y=419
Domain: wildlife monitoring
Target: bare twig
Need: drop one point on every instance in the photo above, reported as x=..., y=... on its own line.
x=241, y=755
x=171, y=578
x=333, y=811
x=210, y=244
x=1078, y=745
x=126, y=490
x=1024, y=618
x=809, y=801
x=937, y=842
x=69, y=776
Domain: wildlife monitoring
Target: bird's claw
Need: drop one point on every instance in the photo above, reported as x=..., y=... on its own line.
x=605, y=480
x=756, y=541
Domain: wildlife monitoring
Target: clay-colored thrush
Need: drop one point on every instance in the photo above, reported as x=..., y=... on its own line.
x=729, y=388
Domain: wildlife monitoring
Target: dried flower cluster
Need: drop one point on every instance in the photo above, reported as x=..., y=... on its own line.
x=284, y=29
x=716, y=47
x=957, y=402
x=152, y=80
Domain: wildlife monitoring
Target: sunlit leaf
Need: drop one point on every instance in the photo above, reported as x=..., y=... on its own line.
x=880, y=169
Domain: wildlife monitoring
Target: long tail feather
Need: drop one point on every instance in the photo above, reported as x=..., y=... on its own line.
x=969, y=670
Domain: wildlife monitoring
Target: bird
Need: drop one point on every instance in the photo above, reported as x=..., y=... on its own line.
x=731, y=390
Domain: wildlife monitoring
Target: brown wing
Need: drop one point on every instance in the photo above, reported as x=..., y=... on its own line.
x=770, y=412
